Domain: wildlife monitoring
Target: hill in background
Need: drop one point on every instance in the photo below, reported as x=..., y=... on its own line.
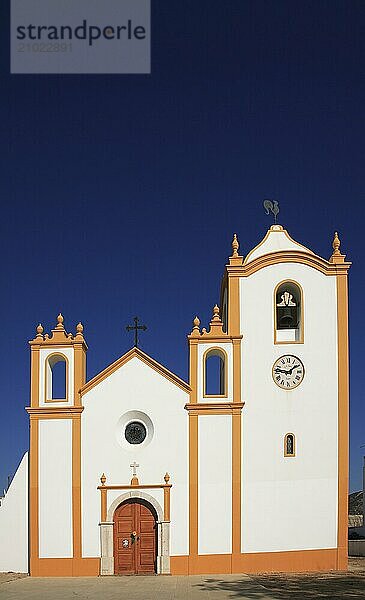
x=355, y=503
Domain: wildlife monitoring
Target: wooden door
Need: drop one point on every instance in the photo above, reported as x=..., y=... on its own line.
x=134, y=555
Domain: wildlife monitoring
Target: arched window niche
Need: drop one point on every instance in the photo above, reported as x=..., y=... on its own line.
x=215, y=373
x=56, y=378
x=288, y=313
x=289, y=444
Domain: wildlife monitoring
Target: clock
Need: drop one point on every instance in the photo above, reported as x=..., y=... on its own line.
x=288, y=372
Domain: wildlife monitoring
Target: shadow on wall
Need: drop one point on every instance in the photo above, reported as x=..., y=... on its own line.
x=294, y=587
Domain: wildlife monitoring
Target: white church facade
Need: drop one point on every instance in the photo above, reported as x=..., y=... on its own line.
x=137, y=471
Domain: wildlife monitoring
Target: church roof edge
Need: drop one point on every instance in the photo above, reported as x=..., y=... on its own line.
x=132, y=353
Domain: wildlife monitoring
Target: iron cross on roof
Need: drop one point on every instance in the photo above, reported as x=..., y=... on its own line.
x=135, y=328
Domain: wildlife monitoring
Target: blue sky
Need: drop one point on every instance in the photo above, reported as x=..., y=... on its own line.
x=120, y=194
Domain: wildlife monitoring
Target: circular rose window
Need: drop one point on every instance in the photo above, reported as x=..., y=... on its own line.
x=135, y=432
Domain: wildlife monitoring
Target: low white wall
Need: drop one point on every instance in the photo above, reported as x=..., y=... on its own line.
x=356, y=547
x=14, y=523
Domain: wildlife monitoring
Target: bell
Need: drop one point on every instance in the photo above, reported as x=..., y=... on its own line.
x=287, y=317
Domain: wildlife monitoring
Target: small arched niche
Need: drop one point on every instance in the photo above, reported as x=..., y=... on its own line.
x=288, y=311
x=56, y=378
x=215, y=373
x=289, y=445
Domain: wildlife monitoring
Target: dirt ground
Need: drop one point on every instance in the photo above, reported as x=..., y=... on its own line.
x=5, y=577
x=334, y=585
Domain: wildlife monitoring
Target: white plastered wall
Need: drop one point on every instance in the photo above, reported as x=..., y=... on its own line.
x=289, y=503
x=134, y=387
x=215, y=484
x=69, y=354
x=202, y=348
x=14, y=523
x=55, y=488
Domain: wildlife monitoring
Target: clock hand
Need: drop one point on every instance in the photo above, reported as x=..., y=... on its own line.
x=278, y=370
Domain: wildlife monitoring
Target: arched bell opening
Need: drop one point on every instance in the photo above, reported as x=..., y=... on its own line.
x=288, y=311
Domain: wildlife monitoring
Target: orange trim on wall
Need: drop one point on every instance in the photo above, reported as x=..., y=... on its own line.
x=290, y=562
x=103, y=503
x=79, y=371
x=33, y=491
x=214, y=408
x=54, y=412
x=237, y=371
x=343, y=420
x=236, y=483
x=76, y=485
x=65, y=567
x=179, y=565
x=236, y=450
x=193, y=484
x=34, y=369
x=166, y=503
x=288, y=256
x=295, y=561
x=234, y=306
x=193, y=370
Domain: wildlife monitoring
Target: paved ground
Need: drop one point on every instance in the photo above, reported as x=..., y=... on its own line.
x=334, y=586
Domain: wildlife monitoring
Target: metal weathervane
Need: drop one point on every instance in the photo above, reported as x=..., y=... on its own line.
x=272, y=206
x=135, y=328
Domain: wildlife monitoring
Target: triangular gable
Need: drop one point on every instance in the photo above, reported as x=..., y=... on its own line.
x=135, y=352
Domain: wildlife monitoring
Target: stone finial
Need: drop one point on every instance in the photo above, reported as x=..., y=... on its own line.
x=336, y=244
x=60, y=320
x=79, y=332
x=196, y=330
x=103, y=479
x=216, y=325
x=337, y=257
x=167, y=478
x=235, y=259
x=40, y=331
x=216, y=313
x=235, y=246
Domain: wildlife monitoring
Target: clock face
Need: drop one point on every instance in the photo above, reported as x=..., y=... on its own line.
x=288, y=372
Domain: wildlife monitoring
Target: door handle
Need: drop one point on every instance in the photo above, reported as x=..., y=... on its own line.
x=134, y=536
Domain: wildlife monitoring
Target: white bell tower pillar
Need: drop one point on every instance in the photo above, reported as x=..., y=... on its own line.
x=55, y=450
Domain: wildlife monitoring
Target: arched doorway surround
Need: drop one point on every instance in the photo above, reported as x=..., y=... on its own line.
x=163, y=534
